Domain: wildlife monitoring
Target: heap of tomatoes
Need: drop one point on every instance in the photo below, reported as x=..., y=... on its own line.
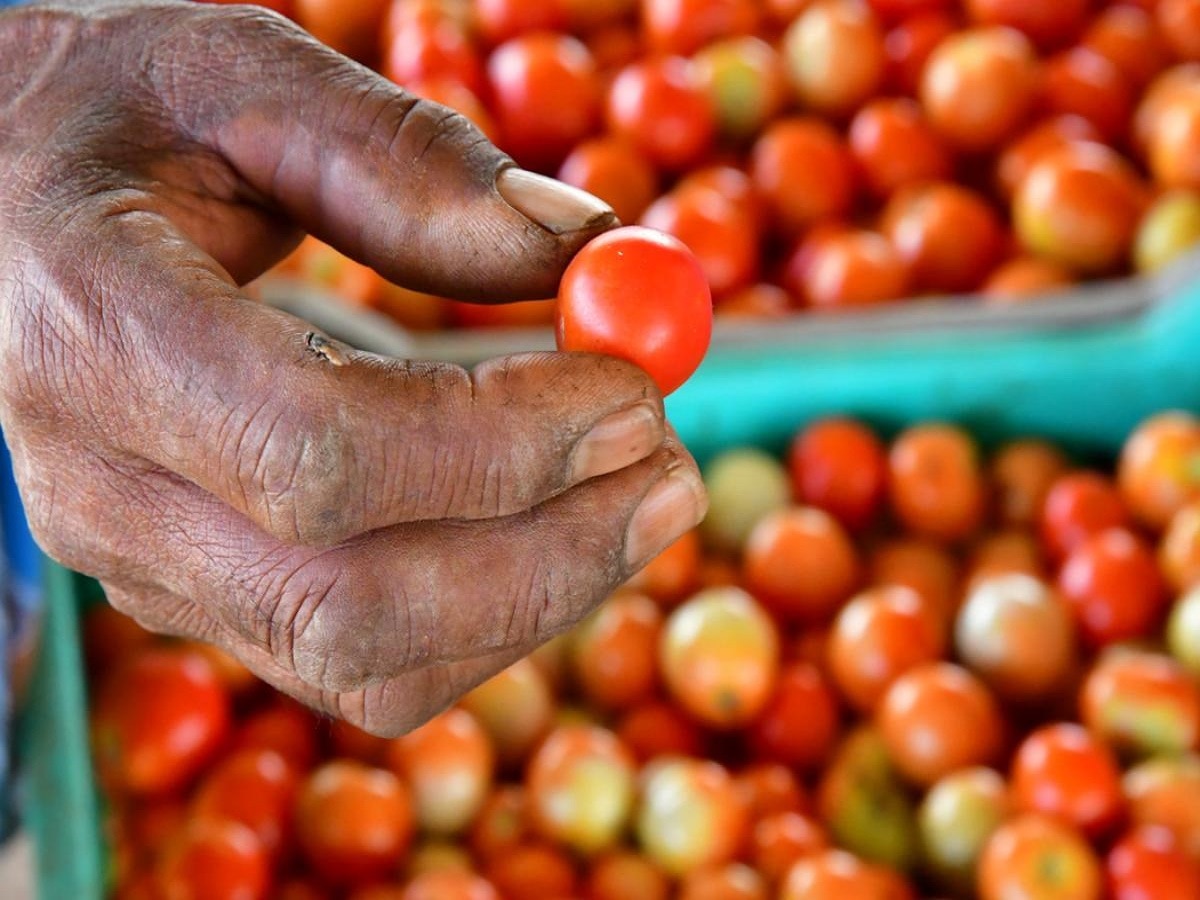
x=819, y=154
x=877, y=670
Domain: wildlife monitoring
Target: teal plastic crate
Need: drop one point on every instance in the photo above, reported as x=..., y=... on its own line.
x=1082, y=371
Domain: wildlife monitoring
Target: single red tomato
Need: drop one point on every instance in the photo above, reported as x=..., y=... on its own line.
x=545, y=96
x=804, y=172
x=614, y=652
x=602, y=304
x=852, y=269
x=158, y=720
x=215, y=859
x=501, y=20
x=840, y=466
x=616, y=172
x=1078, y=506
x=1114, y=587
x=950, y=237
x=1062, y=770
x=801, y=721
x=426, y=50
x=661, y=106
x=895, y=146
x=1147, y=864
x=660, y=728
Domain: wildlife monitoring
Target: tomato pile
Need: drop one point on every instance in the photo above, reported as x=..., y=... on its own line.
x=876, y=671
x=818, y=154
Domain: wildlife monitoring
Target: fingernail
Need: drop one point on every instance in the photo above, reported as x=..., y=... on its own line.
x=673, y=506
x=616, y=441
x=555, y=206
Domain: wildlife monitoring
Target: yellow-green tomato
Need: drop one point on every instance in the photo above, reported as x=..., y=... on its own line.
x=743, y=486
x=1170, y=228
x=956, y=818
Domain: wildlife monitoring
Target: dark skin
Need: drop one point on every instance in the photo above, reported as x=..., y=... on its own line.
x=372, y=536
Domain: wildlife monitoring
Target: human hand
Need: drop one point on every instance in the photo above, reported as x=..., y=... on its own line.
x=372, y=536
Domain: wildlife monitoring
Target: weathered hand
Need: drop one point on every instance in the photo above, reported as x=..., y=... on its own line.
x=370, y=535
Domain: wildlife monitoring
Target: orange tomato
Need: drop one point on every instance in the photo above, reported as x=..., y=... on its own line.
x=800, y=564
x=838, y=875
x=1163, y=793
x=625, y=875
x=732, y=881
x=804, y=172
x=1025, y=278
x=1022, y=473
x=449, y=885
x=936, y=483
x=674, y=574
x=1179, y=549
x=936, y=719
x=834, y=55
x=613, y=170
x=1145, y=863
x=922, y=566
x=614, y=652
x=1159, y=469
x=895, y=146
x=857, y=268
x=979, y=85
x=533, y=870
x=1142, y=704
x=767, y=788
x=1179, y=24
x=719, y=657
x=351, y=29
x=1127, y=36
x=1037, y=858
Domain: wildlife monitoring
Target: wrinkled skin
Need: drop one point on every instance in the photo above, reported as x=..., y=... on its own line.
x=370, y=535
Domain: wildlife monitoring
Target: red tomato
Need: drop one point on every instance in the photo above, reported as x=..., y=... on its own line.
x=857, y=268
x=834, y=55
x=1145, y=864
x=720, y=234
x=935, y=482
x=256, y=788
x=1038, y=858
x=1112, y=584
x=909, y=45
x=1159, y=469
x=924, y=567
x=878, y=636
x=1164, y=794
x=684, y=26
x=1047, y=24
x=896, y=147
x=448, y=764
x=1081, y=82
x=767, y=788
x=662, y=108
x=1061, y=770
x=283, y=726
x=545, y=96
x=1080, y=206
x=157, y=721
x=840, y=466
x=979, y=85
x=949, y=236
x=804, y=172
x=600, y=308
x=800, y=564
x=354, y=823
x=937, y=719
x=674, y=574
x=215, y=859
x=614, y=652
x=801, y=721
x=897, y=10
x=614, y=171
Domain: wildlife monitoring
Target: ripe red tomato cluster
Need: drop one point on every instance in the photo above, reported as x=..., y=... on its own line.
x=820, y=154
x=877, y=670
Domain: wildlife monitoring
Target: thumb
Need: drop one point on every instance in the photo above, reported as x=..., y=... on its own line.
x=406, y=186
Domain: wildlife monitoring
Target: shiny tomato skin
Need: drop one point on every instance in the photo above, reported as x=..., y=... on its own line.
x=1146, y=864
x=158, y=720
x=215, y=860
x=605, y=304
